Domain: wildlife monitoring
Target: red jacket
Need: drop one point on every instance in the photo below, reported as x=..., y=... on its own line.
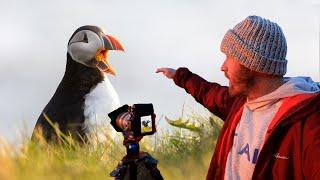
x=292, y=144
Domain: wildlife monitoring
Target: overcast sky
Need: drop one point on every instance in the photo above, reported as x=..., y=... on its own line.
x=160, y=33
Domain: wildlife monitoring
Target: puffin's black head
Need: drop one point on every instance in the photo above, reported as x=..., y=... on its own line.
x=89, y=46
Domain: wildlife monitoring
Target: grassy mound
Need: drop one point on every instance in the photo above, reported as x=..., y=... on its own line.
x=184, y=152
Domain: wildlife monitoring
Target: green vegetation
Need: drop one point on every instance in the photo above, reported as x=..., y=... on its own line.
x=184, y=152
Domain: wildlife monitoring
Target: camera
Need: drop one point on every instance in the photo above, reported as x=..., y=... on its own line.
x=139, y=119
x=135, y=122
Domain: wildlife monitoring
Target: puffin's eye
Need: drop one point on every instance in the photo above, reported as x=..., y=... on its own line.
x=80, y=37
x=85, y=38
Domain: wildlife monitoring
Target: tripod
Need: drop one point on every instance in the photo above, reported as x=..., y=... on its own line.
x=136, y=165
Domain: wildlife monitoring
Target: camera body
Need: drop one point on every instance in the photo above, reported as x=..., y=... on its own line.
x=139, y=119
x=135, y=122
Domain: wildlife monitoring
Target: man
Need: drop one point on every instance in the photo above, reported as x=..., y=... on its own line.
x=271, y=123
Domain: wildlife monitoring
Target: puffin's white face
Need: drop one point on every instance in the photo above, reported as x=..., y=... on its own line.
x=91, y=49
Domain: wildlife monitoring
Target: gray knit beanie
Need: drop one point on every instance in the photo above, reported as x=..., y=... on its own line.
x=258, y=44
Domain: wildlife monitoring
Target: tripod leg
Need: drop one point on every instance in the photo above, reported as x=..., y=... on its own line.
x=119, y=172
x=151, y=165
x=154, y=171
x=137, y=168
x=133, y=171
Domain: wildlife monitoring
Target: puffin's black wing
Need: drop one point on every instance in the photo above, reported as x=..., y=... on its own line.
x=68, y=120
x=66, y=106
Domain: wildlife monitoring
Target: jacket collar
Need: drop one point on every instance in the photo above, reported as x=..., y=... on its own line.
x=297, y=106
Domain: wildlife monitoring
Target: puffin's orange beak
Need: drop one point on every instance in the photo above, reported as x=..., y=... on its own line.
x=103, y=63
x=111, y=43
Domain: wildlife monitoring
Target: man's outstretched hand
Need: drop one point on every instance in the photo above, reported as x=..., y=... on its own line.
x=168, y=72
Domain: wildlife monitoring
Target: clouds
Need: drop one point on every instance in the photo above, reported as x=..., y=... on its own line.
x=34, y=37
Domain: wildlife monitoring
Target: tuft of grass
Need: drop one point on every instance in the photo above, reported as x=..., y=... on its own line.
x=184, y=152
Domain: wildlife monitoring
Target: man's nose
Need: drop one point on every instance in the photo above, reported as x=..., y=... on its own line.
x=223, y=67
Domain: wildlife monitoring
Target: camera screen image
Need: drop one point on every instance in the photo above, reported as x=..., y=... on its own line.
x=146, y=124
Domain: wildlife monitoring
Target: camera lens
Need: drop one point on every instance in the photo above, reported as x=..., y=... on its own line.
x=124, y=121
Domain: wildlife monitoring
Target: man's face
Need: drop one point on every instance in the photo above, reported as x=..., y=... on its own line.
x=240, y=78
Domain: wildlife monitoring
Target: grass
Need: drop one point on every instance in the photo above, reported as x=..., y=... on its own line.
x=184, y=152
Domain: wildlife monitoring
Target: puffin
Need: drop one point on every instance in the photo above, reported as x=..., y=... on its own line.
x=80, y=105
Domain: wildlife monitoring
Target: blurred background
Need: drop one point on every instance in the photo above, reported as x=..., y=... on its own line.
x=164, y=33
